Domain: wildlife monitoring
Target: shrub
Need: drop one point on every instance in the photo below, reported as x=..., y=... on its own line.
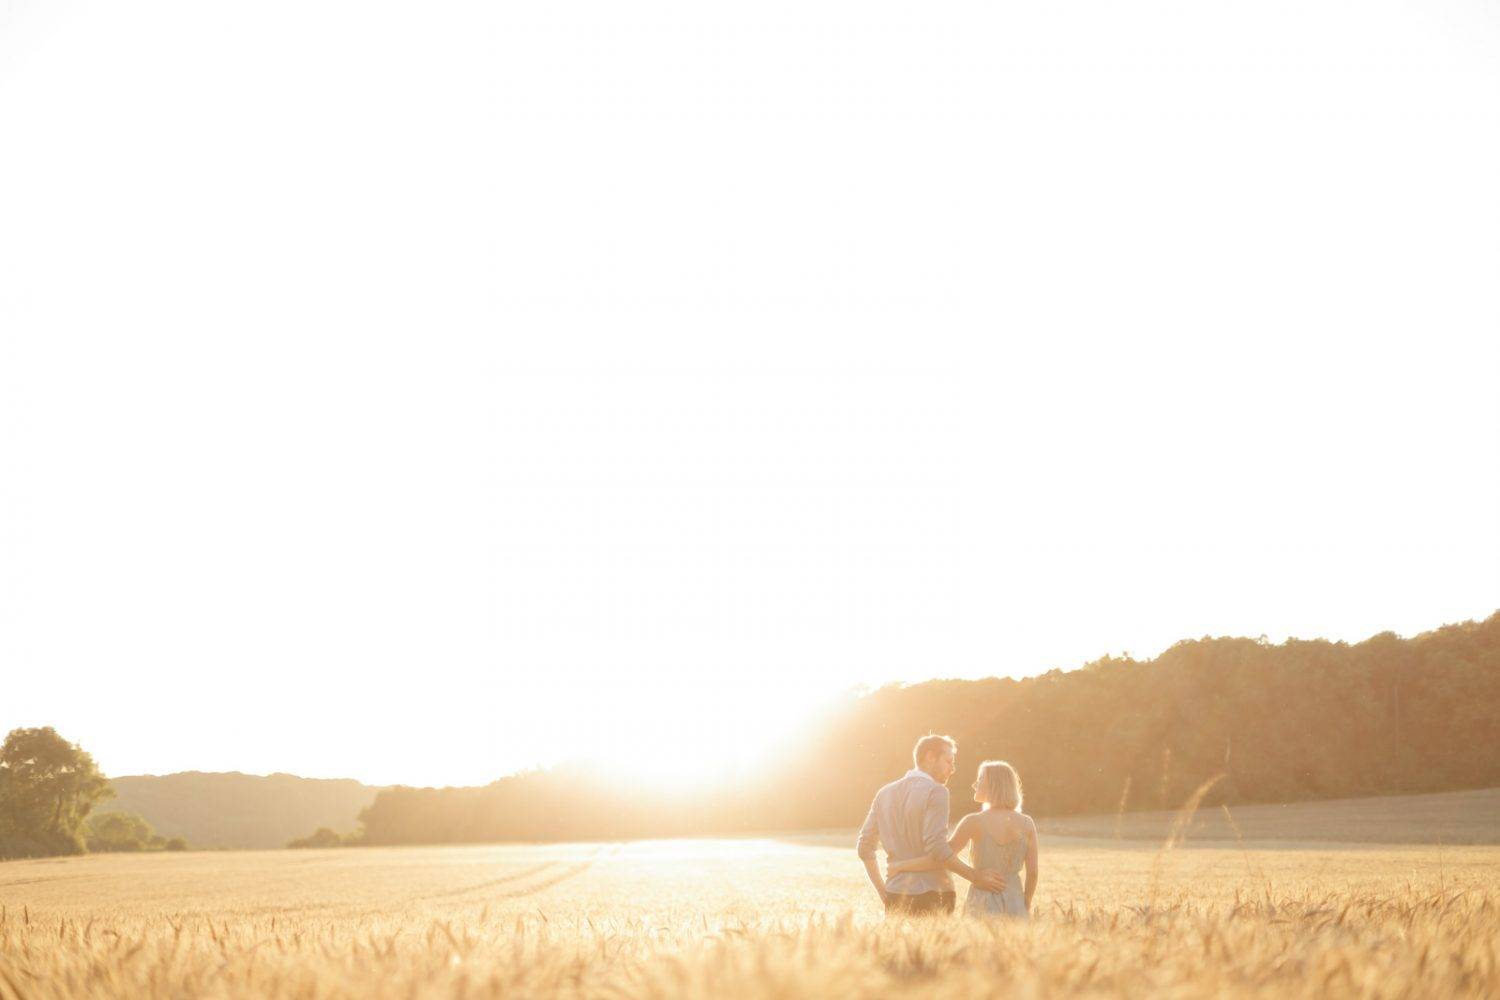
x=119, y=831
x=322, y=837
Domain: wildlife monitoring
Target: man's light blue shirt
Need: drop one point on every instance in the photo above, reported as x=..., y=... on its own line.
x=909, y=818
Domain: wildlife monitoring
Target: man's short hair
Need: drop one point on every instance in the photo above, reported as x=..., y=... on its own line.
x=932, y=743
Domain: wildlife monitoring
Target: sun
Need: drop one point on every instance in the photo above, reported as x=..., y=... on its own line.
x=695, y=741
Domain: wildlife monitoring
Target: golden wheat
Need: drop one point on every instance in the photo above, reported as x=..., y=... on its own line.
x=727, y=918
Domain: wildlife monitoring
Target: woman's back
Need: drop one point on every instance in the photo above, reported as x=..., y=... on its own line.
x=1005, y=855
x=1000, y=843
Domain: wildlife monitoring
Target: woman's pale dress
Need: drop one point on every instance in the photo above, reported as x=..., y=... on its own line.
x=1006, y=858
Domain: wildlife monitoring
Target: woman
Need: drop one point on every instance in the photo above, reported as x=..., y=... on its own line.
x=1003, y=838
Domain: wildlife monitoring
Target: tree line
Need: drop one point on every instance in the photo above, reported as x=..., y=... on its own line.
x=49, y=789
x=1274, y=722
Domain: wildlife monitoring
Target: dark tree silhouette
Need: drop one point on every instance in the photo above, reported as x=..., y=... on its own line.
x=47, y=788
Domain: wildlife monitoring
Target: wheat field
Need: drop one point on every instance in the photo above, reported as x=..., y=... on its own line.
x=745, y=918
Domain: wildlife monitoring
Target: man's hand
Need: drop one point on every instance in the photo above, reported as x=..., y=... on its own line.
x=990, y=879
x=872, y=869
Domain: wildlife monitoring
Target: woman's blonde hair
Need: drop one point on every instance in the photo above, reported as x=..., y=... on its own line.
x=1001, y=784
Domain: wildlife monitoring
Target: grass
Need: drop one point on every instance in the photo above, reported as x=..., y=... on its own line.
x=745, y=918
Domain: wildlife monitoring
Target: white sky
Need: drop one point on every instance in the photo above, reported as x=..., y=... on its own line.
x=415, y=392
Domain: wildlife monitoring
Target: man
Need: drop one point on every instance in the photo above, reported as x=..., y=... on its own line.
x=909, y=818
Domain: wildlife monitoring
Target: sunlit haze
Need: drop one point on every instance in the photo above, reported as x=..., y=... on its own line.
x=417, y=393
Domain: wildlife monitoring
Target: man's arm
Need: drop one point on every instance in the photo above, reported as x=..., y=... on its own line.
x=935, y=842
x=869, y=836
x=926, y=863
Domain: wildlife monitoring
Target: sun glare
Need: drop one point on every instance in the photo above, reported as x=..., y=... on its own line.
x=694, y=741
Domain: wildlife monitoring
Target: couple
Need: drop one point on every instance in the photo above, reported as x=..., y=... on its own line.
x=909, y=818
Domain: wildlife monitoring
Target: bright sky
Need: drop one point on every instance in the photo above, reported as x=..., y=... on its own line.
x=418, y=392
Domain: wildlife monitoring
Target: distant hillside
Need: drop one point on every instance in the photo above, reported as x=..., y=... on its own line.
x=240, y=810
x=1266, y=723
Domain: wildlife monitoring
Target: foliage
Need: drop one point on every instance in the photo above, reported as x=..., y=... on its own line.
x=48, y=786
x=121, y=831
x=322, y=837
x=1300, y=720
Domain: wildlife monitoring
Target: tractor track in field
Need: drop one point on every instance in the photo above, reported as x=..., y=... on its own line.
x=572, y=871
x=502, y=880
x=555, y=876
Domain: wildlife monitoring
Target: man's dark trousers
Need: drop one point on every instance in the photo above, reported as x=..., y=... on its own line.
x=922, y=902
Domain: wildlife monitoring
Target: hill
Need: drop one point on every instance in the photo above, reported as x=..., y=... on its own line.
x=1296, y=721
x=1268, y=723
x=240, y=810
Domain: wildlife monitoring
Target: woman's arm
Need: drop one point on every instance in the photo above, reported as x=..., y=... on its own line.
x=962, y=834
x=1030, y=861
